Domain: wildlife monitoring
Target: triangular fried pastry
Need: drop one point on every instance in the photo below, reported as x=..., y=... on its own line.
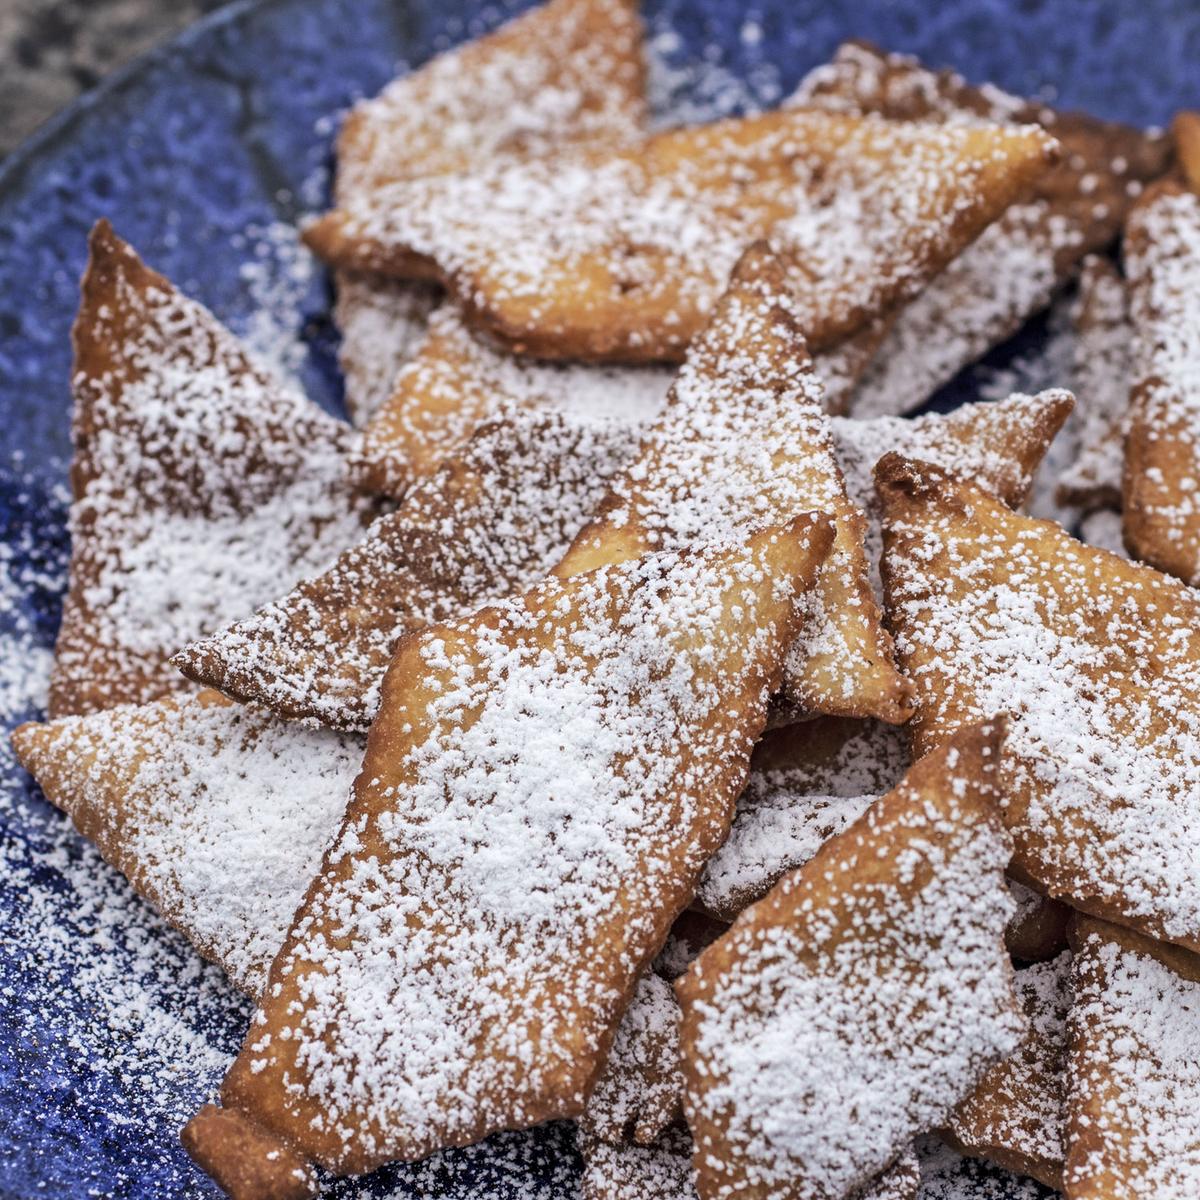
x=1102, y=373
x=382, y=322
x=636, y=1097
x=663, y=1171
x=567, y=72
x=998, y=444
x=947, y=1175
x=491, y=521
x=744, y=442
x=1015, y=266
x=863, y=998
x=1094, y=661
x=217, y=814
x=457, y=380
x=1162, y=449
x=1133, y=1073
x=809, y=782
x=620, y=254
x=200, y=485
x=541, y=788
x=1014, y=1117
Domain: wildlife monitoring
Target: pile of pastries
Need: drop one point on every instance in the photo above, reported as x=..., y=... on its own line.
x=635, y=717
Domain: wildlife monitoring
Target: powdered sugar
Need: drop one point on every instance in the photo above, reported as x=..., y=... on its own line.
x=555, y=781
x=798, y=797
x=1093, y=659
x=490, y=522
x=856, y=1004
x=191, y=464
x=1134, y=1076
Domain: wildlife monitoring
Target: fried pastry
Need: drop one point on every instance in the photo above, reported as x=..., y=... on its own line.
x=1133, y=1075
x=1013, y=269
x=997, y=444
x=863, y=998
x=620, y=254
x=1185, y=130
x=568, y=72
x=947, y=1175
x=459, y=380
x=1014, y=1117
x=663, y=1171
x=743, y=442
x=200, y=485
x=638, y=1092
x=809, y=782
x=382, y=322
x=217, y=814
x=1102, y=378
x=1094, y=661
x=540, y=790
x=491, y=521
x=1162, y=449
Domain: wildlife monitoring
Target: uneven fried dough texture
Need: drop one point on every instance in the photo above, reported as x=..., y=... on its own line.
x=1162, y=450
x=1102, y=377
x=491, y=521
x=1093, y=659
x=1014, y=267
x=863, y=998
x=420, y=1000
x=620, y=254
x=743, y=442
x=458, y=380
x=1133, y=1072
x=217, y=814
x=1014, y=1117
x=568, y=72
x=201, y=485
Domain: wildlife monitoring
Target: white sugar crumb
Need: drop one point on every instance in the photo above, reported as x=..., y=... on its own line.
x=460, y=379
x=1102, y=378
x=981, y=298
x=224, y=812
x=562, y=761
x=279, y=273
x=947, y=1175
x=1162, y=260
x=996, y=444
x=1102, y=529
x=638, y=1093
x=382, y=322
x=791, y=808
x=821, y=1043
x=669, y=227
x=1093, y=659
x=192, y=465
x=1020, y=1107
x=489, y=524
x=662, y=1171
x=1134, y=1070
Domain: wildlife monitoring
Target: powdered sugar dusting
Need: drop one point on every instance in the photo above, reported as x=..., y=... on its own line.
x=1092, y=658
x=554, y=781
x=1134, y=1075
x=490, y=522
x=856, y=1004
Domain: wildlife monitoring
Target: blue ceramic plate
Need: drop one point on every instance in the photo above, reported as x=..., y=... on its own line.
x=205, y=154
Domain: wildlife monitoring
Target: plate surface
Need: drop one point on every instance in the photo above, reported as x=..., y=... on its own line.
x=205, y=154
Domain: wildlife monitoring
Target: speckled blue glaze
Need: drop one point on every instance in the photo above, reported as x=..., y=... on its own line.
x=223, y=132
